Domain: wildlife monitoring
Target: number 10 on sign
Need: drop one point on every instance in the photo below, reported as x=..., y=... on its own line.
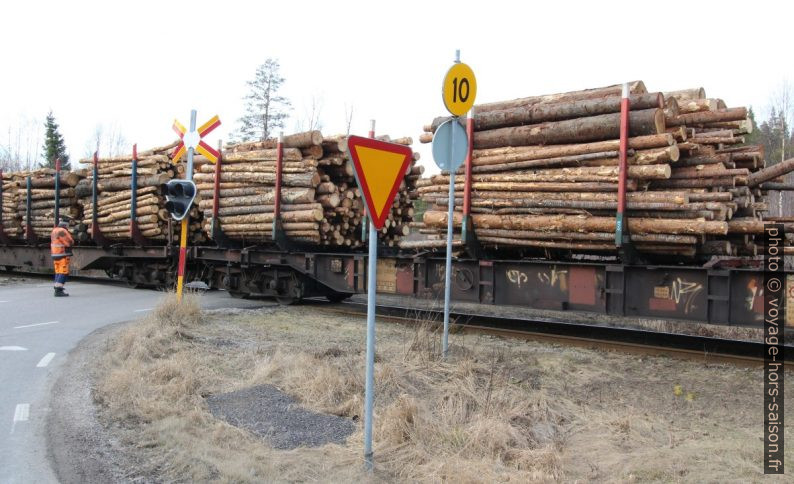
x=460, y=89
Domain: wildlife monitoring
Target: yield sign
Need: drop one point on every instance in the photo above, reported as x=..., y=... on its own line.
x=192, y=139
x=380, y=168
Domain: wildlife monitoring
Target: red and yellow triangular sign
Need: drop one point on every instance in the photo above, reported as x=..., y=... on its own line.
x=380, y=168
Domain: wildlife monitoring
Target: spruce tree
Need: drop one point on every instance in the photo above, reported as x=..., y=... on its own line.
x=54, y=146
x=265, y=110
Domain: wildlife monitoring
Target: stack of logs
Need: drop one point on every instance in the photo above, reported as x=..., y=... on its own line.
x=42, y=202
x=9, y=216
x=114, y=197
x=321, y=203
x=545, y=175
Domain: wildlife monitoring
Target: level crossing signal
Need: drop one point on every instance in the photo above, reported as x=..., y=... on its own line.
x=179, y=196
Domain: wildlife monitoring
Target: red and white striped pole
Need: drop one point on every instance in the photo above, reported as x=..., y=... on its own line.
x=365, y=220
x=279, y=175
x=622, y=157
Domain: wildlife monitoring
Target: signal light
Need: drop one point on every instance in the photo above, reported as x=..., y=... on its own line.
x=179, y=196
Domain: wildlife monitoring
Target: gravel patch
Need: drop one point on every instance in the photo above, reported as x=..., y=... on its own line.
x=271, y=414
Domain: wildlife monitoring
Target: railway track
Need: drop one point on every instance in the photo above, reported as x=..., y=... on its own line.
x=631, y=340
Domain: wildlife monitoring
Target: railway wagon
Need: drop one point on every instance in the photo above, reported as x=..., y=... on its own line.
x=719, y=294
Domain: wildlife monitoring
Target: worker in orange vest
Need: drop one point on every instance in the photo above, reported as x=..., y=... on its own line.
x=61, y=242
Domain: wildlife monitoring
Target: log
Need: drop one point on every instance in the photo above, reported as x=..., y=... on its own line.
x=726, y=181
x=539, y=186
x=635, y=87
x=582, y=173
x=288, y=196
x=290, y=154
x=730, y=114
x=685, y=94
x=524, y=153
x=307, y=180
x=297, y=140
x=263, y=166
x=776, y=186
x=247, y=209
x=68, y=178
x=593, y=128
x=696, y=105
x=296, y=216
x=579, y=223
x=600, y=236
x=704, y=160
x=556, y=111
x=543, y=163
x=123, y=183
x=771, y=172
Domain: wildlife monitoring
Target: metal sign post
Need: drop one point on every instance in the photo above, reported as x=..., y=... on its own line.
x=380, y=168
x=450, y=149
x=372, y=285
x=191, y=142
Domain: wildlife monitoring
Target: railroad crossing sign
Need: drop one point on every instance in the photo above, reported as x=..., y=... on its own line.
x=192, y=139
x=459, y=89
x=450, y=145
x=379, y=167
x=181, y=193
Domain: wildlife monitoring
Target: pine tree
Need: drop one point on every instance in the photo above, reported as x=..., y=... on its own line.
x=54, y=146
x=265, y=110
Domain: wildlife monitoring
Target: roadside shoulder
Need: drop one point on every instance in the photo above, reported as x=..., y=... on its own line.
x=79, y=448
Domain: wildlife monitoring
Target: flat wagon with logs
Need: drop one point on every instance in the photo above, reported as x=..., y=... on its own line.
x=544, y=174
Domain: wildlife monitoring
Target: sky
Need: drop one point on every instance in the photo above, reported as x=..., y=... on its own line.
x=136, y=66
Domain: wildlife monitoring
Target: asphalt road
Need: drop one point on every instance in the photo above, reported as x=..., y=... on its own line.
x=36, y=333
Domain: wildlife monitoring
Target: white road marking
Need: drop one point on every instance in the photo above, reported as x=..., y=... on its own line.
x=44, y=285
x=45, y=360
x=3, y=301
x=142, y=310
x=37, y=324
x=21, y=414
x=12, y=348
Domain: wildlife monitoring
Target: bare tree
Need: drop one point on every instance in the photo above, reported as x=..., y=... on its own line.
x=312, y=113
x=782, y=102
x=20, y=148
x=348, y=118
x=107, y=139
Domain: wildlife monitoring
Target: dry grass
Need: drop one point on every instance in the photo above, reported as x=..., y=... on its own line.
x=466, y=419
x=496, y=410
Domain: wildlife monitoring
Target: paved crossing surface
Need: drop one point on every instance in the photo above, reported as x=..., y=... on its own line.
x=37, y=331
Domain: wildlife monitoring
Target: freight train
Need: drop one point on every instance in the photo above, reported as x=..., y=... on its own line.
x=692, y=216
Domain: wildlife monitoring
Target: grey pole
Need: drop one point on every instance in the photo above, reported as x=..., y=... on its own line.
x=450, y=213
x=448, y=265
x=369, y=392
x=189, y=171
x=372, y=286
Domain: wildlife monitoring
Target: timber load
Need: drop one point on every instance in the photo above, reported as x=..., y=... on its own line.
x=41, y=217
x=320, y=202
x=114, y=197
x=545, y=174
x=9, y=216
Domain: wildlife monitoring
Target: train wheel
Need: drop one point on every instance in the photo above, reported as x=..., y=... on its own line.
x=287, y=300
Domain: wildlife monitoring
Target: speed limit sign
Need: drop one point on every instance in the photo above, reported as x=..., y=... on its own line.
x=459, y=89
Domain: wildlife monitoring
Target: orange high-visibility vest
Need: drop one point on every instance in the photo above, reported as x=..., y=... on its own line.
x=60, y=241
